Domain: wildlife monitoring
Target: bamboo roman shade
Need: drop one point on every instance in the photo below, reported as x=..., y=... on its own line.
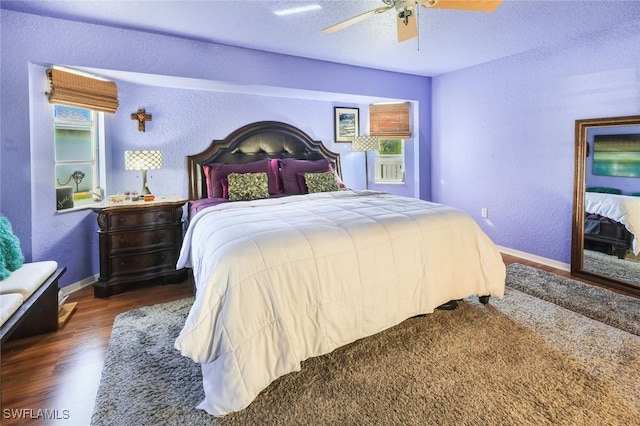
x=390, y=121
x=79, y=90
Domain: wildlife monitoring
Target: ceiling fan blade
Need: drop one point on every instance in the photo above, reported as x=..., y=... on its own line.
x=355, y=19
x=475, y=5
x=407, y=26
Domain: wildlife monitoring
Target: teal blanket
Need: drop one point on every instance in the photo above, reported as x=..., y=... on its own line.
x=11, y=257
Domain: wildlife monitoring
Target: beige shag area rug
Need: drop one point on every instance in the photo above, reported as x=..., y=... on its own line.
x=516, y=361
x=627, y=269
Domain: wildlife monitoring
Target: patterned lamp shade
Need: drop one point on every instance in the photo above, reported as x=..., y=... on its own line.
x=142, y=160
x=365, y=143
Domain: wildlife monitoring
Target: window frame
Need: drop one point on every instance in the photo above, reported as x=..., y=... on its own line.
x=378, y=176
x=98, y=149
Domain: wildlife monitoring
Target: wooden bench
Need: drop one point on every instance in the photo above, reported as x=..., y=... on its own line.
x=29, y=300
x=611, y=237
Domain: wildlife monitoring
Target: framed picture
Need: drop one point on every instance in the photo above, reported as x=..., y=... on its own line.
x=616, y=155
x=347, y=123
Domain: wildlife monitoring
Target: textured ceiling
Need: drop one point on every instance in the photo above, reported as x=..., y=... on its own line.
x=448, y=40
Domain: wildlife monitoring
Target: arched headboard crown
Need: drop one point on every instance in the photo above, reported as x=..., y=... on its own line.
x=254, y=142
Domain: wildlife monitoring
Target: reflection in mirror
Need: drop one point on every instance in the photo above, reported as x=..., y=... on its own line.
x=606, y=219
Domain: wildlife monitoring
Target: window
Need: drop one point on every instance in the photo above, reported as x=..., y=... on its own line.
x=391, y=123
x=390, y=161
x=77, y=156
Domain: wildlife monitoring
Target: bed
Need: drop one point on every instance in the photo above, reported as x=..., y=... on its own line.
x=612, y=223
x=302, y=271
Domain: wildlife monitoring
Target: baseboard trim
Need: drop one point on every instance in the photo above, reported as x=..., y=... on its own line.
x=535, y=258
x=72, y=288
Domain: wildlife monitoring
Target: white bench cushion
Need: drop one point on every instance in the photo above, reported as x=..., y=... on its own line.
x=9, y=303
x=28, y=278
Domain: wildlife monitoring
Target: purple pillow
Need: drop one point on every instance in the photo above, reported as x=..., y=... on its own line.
x=274, y=164
x=215, y=172
x=290, y=169
x=301, y=183
x=341, y=184
x=225, y=187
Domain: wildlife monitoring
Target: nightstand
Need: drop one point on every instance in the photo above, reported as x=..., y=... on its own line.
x=139, y=241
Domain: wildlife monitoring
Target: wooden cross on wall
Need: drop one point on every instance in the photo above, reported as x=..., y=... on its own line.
x=142, y=117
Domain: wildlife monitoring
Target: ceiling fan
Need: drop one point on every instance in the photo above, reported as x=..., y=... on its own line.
x=406, y=13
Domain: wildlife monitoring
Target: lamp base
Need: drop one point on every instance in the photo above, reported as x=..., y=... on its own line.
x=145, y=187
x=366, y=170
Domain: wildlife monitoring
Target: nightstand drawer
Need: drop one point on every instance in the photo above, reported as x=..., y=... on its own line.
x=139, y=242
x=142, y=239
x=143, y=262
x=146, y=217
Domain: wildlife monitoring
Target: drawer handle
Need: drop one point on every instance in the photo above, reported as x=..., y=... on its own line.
x=121, y=219
x=161, y=215
x=123, y=240
x=123, y=262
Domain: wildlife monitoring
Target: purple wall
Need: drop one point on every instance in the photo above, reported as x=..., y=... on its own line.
x=213, y=89
x=503, y=134
x=498, y=136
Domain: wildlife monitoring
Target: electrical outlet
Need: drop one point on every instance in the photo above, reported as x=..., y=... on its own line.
x=484, y=212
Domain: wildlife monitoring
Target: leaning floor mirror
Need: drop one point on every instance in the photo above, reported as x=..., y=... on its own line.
x=606, y=209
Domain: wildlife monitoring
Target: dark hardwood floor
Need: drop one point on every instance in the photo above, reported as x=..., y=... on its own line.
x=60, y=372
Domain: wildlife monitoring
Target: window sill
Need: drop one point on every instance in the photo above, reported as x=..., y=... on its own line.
x=389, y=182
x=81, y=206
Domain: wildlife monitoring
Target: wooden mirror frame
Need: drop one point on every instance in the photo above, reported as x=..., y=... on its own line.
x=577, y=234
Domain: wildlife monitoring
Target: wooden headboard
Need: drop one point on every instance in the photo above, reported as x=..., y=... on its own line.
x=253, y=142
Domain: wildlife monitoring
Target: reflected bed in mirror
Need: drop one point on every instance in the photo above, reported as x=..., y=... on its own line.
x=606, y=210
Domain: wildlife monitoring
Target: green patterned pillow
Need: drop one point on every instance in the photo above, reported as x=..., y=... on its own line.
x=247, y=186
x=321, y=182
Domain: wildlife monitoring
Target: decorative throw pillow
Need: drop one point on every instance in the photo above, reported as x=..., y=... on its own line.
x=303, y=185
x=247, y=186
x=321, y=182
x=215, y=172
x=290, y=168
x=11, y=257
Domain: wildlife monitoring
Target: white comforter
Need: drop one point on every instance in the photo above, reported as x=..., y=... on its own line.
x=621, y=208
x=282, y=280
